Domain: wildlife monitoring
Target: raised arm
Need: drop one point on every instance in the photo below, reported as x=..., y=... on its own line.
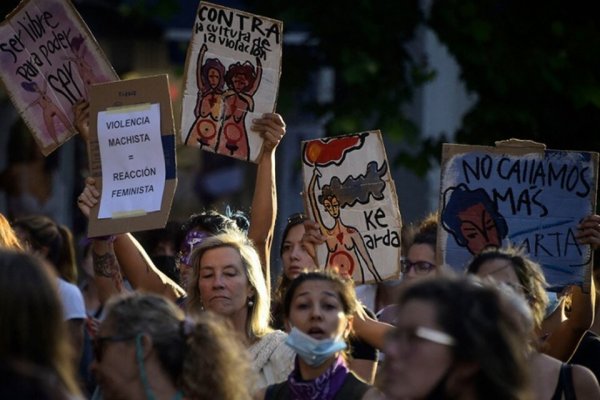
x=107, y=274
x=131, y=257
x=566, y=337
x=141, y=271
x=371, y=331
x=271, y=127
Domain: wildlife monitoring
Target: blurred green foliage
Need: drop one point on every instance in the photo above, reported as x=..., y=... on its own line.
x=533, y=67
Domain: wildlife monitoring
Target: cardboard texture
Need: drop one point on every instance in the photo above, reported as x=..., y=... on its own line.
x=350, y=193
x=521, y=194
x=48, y=61
x=231, y=76
x=131, y=167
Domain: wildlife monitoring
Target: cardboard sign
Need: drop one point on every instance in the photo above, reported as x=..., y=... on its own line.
x=520, y=194
x=48, y=61
x=231, y=76
x=350, y=193
x=132, y=155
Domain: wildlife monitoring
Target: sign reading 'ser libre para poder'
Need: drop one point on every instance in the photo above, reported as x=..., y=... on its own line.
x=231, y=77
x=48, y=61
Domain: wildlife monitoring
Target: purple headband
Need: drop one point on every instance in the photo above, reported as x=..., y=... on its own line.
x=192, y=239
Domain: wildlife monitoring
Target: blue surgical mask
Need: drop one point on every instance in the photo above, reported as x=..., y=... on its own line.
x=553, y=303
x=313, y=351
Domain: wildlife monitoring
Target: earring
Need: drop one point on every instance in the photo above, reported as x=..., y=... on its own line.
x=250, y=302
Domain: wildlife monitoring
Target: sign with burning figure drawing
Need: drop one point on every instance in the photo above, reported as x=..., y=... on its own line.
x=350, y=194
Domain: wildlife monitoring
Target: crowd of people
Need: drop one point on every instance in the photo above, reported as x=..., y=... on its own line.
x=192, y=315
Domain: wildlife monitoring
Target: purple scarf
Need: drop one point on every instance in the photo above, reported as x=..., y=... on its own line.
x=325, y=387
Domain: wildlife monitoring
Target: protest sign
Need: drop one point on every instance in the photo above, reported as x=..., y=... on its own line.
x=231, y=76
x=350, y=193
x=132, y=155
x=520, y=194
x=48, y=60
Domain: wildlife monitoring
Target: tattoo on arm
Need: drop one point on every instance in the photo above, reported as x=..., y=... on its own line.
x=105, y=265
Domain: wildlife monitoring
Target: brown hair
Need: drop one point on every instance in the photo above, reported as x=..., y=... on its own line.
x=198, y=353
x=33, y=329
x=486, y=330
x=529, y=273
x=56, y=240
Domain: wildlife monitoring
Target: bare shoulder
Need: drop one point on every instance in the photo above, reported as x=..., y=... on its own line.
x=585, y=383
x=260, y=394
x=373, y=394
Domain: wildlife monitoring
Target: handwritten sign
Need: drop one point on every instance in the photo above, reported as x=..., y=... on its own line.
x=133, y=176
x=132, y=155
x=231, y=77
x=48, y=60
x=527, y=197
x=350, y=193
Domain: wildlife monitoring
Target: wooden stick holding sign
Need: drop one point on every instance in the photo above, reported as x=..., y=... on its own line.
x=231, y=76
x=132, y=155
x=350, y=193
x=48, y=61
x=521, y=194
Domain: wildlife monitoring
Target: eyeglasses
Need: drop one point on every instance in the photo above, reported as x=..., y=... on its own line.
x=412, y=336
x=99, y=343
x=420, y=267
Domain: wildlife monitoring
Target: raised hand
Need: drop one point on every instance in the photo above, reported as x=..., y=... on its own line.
x=271, y=128
x=89, y=197
x=589, y=231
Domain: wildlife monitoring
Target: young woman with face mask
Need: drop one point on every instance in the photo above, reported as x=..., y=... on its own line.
x=295, y=259
x=319, y=308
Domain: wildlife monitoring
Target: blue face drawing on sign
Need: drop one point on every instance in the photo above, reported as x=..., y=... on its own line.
x=472, y=218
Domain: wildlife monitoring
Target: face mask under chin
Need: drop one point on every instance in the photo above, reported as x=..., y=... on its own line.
x=314, y=352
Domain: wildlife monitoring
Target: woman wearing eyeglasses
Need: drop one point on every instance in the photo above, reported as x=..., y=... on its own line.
x=455, y=339
x=420, y=258
x=146, y=349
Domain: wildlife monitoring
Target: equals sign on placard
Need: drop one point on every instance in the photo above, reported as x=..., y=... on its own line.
x=130, y=157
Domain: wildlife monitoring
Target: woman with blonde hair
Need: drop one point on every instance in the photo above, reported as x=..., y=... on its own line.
x=147, y=349
x=8, y=239
x=227, y=279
